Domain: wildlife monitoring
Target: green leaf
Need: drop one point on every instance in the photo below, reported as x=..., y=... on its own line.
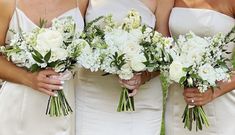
x=37, y=59
x=144, y=28
x=194, y=75
x=182, y=80
x=47, y=56
x=34, y=68
x=53, y=64
x=42, y=23
x=38, y=54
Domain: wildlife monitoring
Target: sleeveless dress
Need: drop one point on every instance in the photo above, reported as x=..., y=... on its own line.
x=97, y=96
x=221, y=111
x=22, y=109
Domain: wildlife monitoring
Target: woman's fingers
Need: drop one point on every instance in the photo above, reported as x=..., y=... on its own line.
x=49, y=72
x=192, y=100
x=197, y=101
x=43, y=83
x=130, y=87
x=50, y=93
x=132, y=84
x=133, y=93
x=192, y=92
x=48, y=80
x=50, y=87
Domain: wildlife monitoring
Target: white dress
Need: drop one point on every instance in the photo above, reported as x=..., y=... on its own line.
x=97, y=96
x=221, y=111
x=22, y=109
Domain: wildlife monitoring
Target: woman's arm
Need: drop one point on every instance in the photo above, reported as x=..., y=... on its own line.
x=162, y=14
x=193, y=97
x=9, y=72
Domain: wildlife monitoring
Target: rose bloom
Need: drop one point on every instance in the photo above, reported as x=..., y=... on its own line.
x=48, y=40
x=176, y=71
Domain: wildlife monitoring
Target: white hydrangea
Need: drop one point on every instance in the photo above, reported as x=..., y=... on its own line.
x=89, y=59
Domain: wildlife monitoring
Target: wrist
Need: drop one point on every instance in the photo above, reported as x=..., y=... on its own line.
x=28, y=79
x=216, y=93
x=145, y=77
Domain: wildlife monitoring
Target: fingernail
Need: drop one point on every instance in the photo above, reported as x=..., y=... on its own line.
x=62, y=82
x=61, y=87
x=55, y=95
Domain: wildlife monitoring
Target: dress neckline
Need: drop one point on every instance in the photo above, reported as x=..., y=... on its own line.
x=143, y=4
x=199, y=9
x=59, y=16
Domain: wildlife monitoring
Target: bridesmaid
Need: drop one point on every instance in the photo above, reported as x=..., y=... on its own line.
x=23, y=98
x=204, y=18
x=97, y=96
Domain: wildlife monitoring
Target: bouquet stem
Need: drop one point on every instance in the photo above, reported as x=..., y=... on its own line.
x=58, y=106
x=126, y=103
x=194, y=114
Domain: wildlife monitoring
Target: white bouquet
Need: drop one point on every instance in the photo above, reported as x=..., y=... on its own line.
x=201, y=63
x=56, y=47
x=125, y=49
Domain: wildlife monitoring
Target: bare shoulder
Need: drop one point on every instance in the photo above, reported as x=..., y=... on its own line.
x=7, y=8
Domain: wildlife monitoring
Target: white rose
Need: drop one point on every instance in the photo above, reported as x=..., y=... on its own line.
x=137, y=63
x=49, y=39
x=131, y=49
x=176, y=71
x=207, y=72
x=138, y=66
x=58, y=54
x=125, y=72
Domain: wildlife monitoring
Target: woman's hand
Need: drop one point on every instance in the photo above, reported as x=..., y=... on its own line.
x=43, y=82
x=135, y=82
x=194, y=97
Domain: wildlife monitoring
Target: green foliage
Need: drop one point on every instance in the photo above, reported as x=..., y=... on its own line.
x=118, y=60
x=34, y=68
x=42, y=23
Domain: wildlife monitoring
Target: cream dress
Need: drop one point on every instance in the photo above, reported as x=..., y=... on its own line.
x=221, y=111
x=97, y=96
x=22, y=109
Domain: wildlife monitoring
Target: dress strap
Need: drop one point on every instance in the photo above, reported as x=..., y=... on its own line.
x=16, y=4
x=17, y=16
